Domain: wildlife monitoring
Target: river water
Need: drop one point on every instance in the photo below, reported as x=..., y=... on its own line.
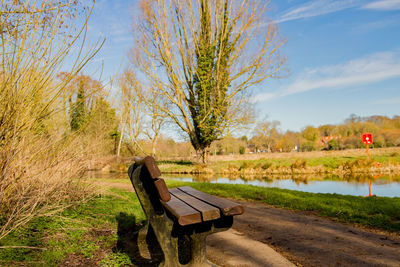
x=384, y=186
x=358, y=186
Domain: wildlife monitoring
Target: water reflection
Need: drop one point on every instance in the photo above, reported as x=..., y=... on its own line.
x=357, y=185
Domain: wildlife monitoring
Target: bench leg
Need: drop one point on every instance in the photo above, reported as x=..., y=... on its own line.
x=169, y=246
x=199, y=257
x=142, y=239
x=162, y=228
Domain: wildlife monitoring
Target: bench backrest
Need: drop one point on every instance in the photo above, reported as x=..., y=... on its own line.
x=154, y=185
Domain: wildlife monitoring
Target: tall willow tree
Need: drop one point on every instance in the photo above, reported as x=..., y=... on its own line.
x=201, y=56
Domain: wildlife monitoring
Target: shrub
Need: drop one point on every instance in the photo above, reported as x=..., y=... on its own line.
x=245, y=165
x=333, y=145
x=394, y=154
x=299, y=164
x=38, y=157
x=266, y=165
x=308, y=146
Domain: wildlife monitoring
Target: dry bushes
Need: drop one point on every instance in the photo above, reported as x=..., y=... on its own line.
x=37, y=155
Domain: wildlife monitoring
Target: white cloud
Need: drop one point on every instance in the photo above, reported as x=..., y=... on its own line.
x=317, y=8
x=372, y=68
x=383, y=5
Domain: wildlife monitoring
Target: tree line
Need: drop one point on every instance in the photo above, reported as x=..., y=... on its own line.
x=267, y=137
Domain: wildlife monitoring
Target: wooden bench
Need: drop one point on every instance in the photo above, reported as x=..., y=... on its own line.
x=180, y=215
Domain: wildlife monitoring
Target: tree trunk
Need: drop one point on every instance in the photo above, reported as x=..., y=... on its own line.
x=120, y=140
x=153, y=146
x=202, y=154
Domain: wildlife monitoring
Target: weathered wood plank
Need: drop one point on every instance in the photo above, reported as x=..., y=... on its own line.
x=227, y=207
x=184, y=214
x=208, y=212
x=151, y=165
x=162, y=189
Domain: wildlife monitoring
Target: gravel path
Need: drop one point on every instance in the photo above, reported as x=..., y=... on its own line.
x=308, y=240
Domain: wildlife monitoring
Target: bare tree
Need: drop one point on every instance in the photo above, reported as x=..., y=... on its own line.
x=267, y=133
x=140, y=112
x=156, y=119
x=132, y=110
x=202, y=56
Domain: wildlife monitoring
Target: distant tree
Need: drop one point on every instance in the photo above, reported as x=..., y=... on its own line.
x=132, y=110
x=268, y=133
x=156, y=119
x=101, y=130
x=310, y=133
x=289, y=141
x=244, y=138
x=79, y=112
x=333, y=144
x=353, y=118
x=327, y=130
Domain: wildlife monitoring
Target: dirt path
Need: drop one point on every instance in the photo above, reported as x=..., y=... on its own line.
x=308, y=240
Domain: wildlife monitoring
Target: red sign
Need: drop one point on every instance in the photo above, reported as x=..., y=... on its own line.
x=367, y=138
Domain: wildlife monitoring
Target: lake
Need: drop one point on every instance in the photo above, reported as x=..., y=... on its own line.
x=384, y=186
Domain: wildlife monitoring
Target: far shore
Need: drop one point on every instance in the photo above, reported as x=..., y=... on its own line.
x=347, y=162
x=383, y=161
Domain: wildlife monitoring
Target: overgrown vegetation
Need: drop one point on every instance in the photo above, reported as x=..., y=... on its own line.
x=38, y=155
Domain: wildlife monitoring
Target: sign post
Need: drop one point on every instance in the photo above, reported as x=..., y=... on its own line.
x=367, y=140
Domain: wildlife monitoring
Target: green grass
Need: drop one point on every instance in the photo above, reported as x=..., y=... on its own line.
x=85, y=232
x=93, y=232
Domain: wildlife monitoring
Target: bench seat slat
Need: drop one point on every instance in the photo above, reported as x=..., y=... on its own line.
x=227, y=207
x=208, y=212
x=184, y=214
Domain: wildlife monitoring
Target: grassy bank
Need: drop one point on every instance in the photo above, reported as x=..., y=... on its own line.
x=102, y=231
x=337, y=162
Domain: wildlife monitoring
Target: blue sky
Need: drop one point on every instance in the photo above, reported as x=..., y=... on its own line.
x=343, y=57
